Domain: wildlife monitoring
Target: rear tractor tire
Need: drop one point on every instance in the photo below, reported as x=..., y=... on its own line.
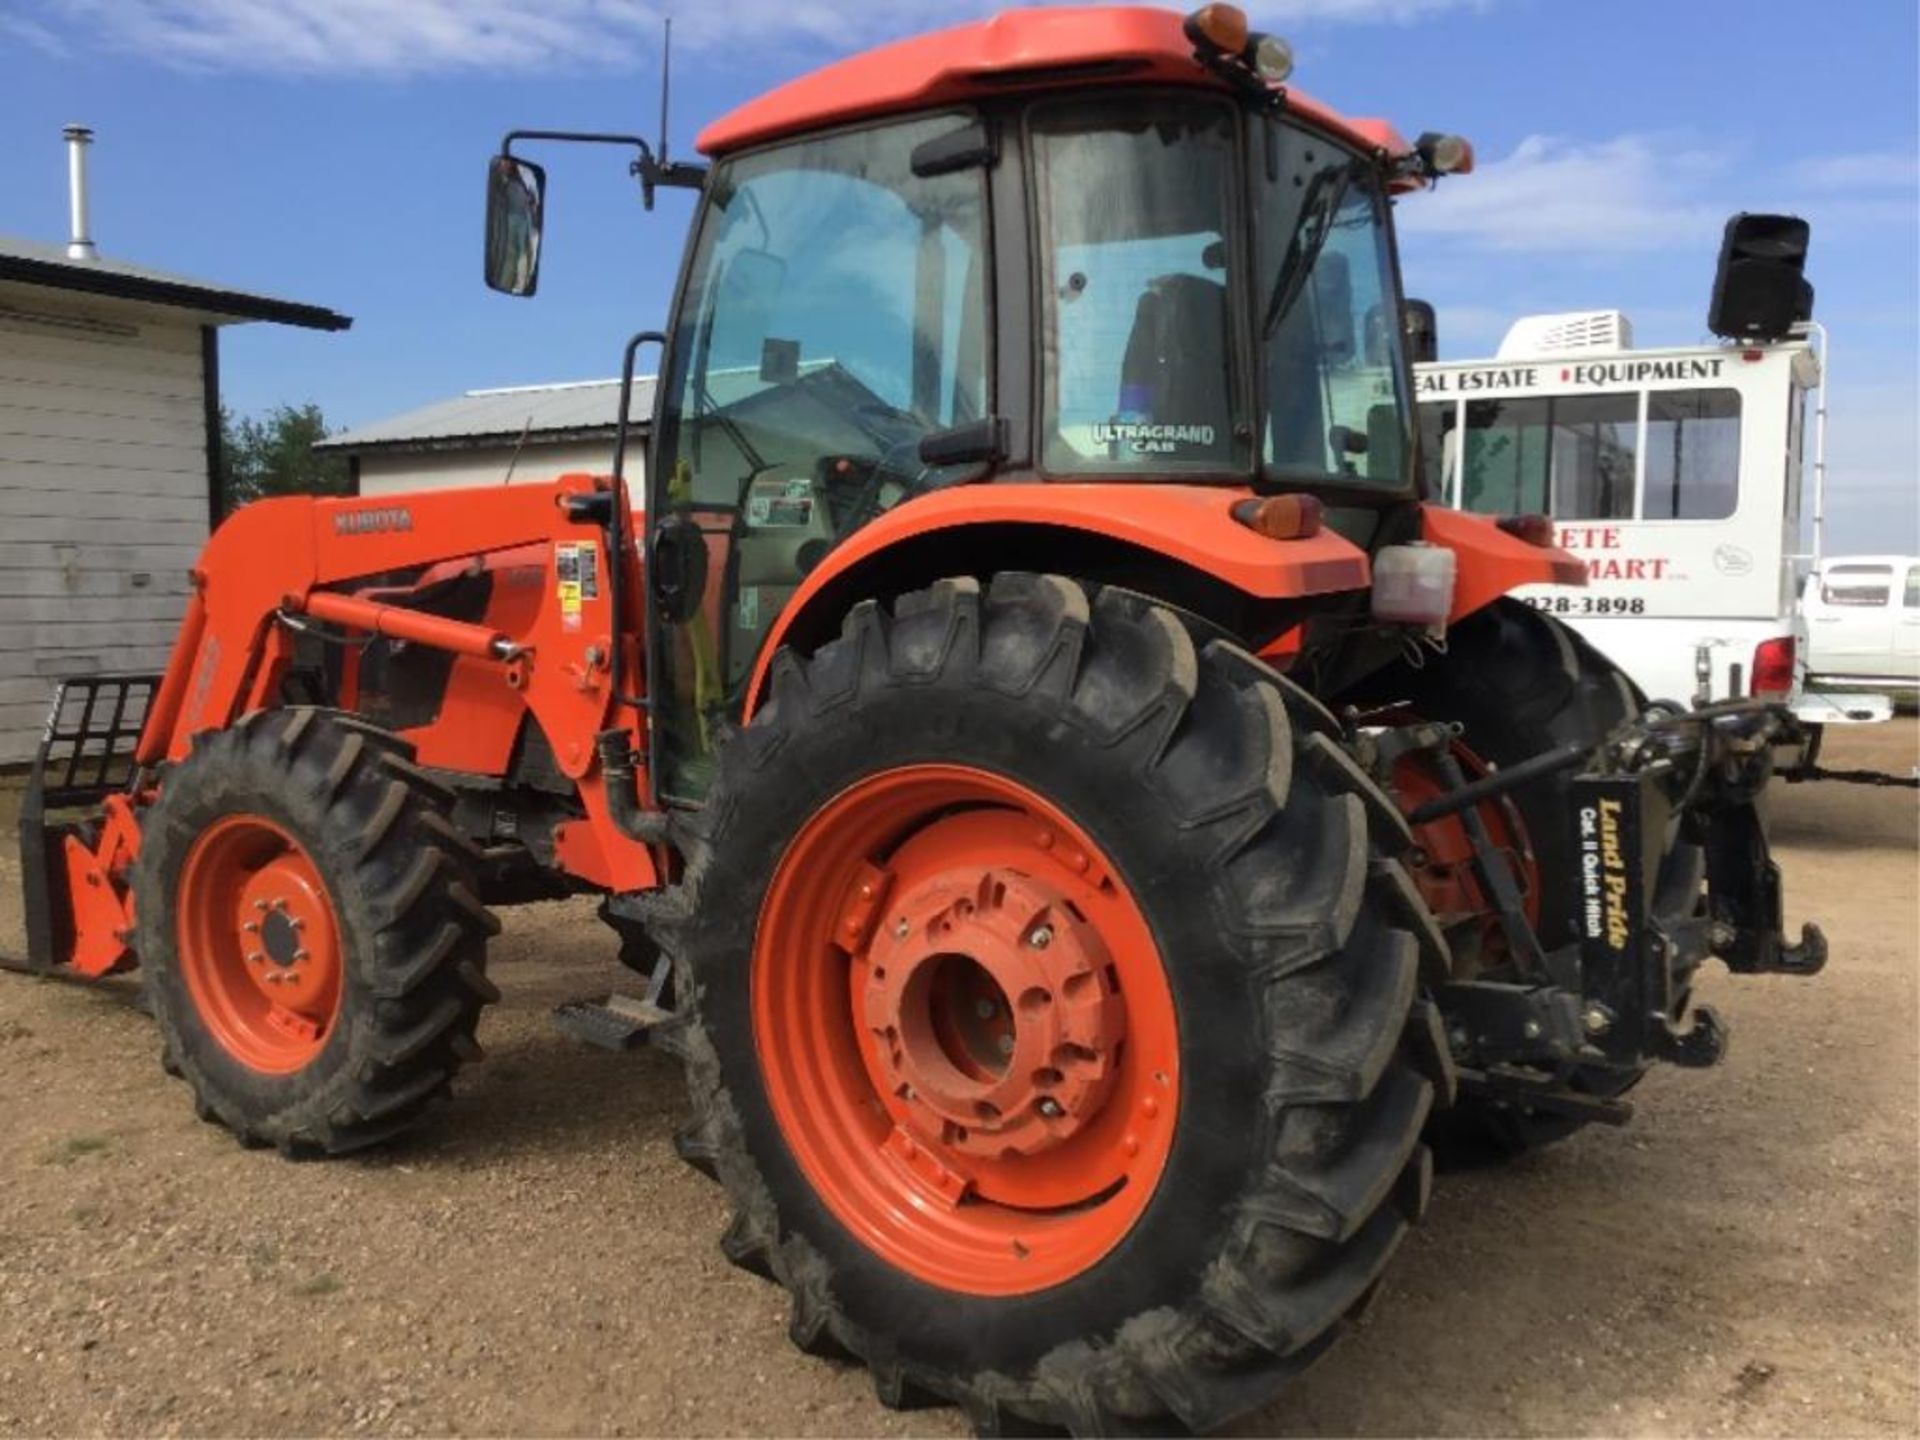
x=313, y=952
x=1070, y=1070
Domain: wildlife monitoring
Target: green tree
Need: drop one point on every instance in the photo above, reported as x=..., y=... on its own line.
x=273, y=455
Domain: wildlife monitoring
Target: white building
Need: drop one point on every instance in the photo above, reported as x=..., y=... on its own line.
x=490, y=437
x=109, y=462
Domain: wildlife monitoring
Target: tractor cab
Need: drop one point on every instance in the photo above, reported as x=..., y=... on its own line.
x=1052, y=247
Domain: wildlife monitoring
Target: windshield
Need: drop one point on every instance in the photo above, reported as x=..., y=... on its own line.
x=1329, y=317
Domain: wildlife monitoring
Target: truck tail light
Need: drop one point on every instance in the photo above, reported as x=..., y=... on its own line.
x=1773, y=666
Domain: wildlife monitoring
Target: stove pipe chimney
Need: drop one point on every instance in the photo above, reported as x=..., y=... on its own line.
x=80, y=242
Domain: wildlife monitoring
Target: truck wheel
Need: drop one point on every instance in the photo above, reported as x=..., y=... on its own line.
x=1064, y=1071
x=1521, y=683
x=312, y=949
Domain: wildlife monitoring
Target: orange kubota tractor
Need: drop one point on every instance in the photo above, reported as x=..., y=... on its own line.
x=1088, y=823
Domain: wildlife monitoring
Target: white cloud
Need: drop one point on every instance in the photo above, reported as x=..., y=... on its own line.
x=32, y=33
x=402, y=37
x=1634, y=193
x=1864, y=170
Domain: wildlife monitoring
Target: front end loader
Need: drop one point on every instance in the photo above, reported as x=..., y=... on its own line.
x=1087, y=823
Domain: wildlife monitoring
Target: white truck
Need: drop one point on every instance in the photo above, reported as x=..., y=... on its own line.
x=1684, y=477
x=1863, y=623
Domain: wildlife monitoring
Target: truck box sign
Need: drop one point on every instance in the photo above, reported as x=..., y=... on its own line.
x=1589, y=373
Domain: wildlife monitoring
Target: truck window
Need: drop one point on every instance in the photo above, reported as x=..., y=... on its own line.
x=1693, y=454
x=1570, y=456
x=1913, y=588
x=1859, y=586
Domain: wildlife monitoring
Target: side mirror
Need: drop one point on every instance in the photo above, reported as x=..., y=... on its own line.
x=677, y=569
x=516, y=197
x=1422, y=331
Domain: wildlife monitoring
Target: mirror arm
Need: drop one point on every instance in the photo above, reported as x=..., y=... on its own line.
x=652, y=171
x=576, y=137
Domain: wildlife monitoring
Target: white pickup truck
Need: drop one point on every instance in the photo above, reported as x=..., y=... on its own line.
x=1862, y=615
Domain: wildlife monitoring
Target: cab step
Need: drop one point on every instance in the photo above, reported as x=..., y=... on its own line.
x=612, y=1022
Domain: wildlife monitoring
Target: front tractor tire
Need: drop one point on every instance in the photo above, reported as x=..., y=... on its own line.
x=313, y=951
x=1069, y=1069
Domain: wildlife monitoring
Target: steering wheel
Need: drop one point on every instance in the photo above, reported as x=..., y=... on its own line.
x=887, y=468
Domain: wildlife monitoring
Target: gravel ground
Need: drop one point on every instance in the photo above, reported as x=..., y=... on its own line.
x=1742, y=1259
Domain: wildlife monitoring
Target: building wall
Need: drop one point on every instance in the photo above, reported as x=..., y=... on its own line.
x=103, y=492
x=386, y=472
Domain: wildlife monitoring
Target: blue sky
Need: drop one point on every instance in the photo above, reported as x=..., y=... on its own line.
x=333, y=150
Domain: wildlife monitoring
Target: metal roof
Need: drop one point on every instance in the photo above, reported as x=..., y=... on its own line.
x=32, y=263
x=582, y=409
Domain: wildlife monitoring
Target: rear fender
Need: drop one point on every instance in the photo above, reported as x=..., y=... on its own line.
x=1489, y=563
x=1183, y=528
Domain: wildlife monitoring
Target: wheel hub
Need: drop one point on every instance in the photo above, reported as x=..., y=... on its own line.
x=259, y=948
x=993, y=1013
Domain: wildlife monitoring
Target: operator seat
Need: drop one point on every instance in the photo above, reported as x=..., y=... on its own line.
x=1174, y=369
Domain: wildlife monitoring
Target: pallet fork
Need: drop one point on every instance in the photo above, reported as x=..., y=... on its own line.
x=84, y=763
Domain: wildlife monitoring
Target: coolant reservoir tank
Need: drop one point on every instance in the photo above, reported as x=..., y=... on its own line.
x=1413, y=585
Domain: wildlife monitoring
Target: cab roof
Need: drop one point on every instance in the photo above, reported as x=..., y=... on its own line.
x=1015, y=50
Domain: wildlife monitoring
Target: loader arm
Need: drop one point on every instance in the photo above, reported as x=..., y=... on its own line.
x=284, y=564
x=278, y=558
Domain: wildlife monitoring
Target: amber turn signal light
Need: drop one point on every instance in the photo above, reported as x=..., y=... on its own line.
x=1221, y=28
x=1280, y=517
x=1534, y=529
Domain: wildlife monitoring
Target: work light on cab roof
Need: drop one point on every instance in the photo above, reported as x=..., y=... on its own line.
x=1220, y=32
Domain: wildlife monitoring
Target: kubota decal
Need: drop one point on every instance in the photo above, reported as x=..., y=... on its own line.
x=368, y=522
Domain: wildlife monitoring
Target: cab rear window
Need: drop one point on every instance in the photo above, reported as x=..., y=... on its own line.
x=1857, y=585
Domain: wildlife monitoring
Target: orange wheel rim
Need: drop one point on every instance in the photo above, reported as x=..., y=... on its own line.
x=1442, y=860
x=965, y=1029
x=259, y=946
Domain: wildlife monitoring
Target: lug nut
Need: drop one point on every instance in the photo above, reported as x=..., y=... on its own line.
x=1050, y=1107
x=252, y=927
x=900, y=930
x=1596, y=1019
x=1531, y=1029
x=254, y=957
x=1041, y=938
x=298, y=956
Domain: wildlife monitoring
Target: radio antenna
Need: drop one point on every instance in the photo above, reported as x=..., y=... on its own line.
x=666, y=83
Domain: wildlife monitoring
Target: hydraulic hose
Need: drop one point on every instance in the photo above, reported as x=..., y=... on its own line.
x=649, y=827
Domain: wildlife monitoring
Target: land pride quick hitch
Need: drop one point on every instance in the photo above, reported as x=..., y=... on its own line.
x=1619, y=997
